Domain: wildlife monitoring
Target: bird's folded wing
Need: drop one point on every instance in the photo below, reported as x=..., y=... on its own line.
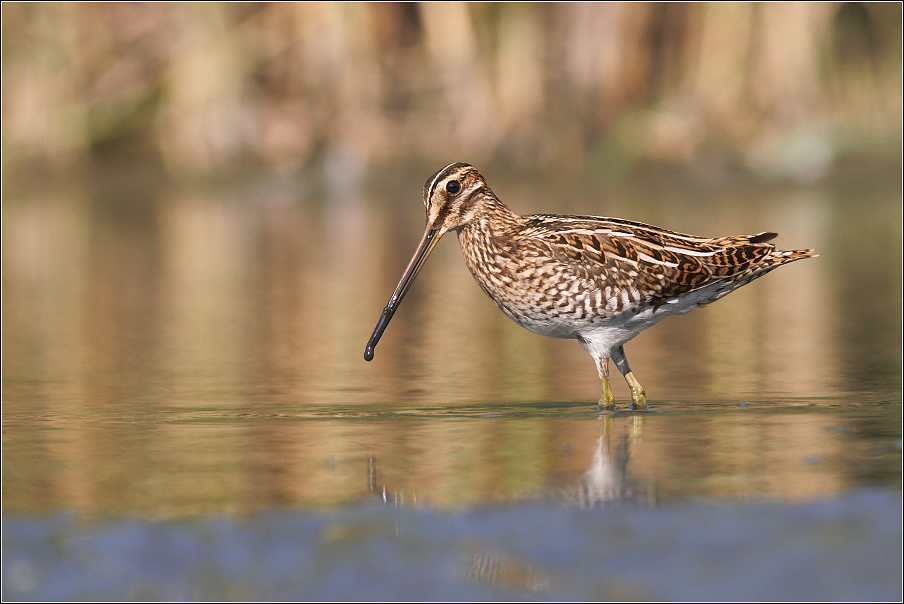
x=660, y=264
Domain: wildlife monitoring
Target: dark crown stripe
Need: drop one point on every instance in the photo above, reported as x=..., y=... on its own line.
x=431, y=183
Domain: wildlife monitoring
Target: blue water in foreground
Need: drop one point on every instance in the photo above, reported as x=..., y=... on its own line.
x=847, y=548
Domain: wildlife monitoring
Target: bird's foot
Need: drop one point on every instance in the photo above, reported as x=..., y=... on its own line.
x=638, y=396
x=607, y=399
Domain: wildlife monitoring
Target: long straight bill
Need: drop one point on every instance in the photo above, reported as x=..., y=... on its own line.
x=428, y=242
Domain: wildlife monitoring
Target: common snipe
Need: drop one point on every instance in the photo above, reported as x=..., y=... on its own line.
x=598, y=280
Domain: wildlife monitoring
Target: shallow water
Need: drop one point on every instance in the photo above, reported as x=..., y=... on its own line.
x=195, y=353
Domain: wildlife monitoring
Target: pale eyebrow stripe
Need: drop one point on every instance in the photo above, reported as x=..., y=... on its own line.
x=436, y=179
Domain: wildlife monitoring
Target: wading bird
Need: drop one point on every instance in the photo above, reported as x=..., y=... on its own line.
x=600, y=281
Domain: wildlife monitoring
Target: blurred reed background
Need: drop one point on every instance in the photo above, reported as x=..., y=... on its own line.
x=782, y=88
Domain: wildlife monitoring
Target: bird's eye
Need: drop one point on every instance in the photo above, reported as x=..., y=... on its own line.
x=453, y=187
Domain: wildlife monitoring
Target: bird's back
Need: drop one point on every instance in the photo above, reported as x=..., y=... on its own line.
x=662, y=264
x=549, y=269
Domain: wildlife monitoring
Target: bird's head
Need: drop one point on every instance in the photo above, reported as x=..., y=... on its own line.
x=452, y=197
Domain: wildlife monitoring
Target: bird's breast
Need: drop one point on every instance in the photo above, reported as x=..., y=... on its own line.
x=537, y=292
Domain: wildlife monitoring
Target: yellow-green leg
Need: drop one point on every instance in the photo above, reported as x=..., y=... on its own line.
x=607, y=399
x=638, y=396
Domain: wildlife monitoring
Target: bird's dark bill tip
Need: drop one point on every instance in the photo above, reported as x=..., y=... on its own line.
x=369, y=353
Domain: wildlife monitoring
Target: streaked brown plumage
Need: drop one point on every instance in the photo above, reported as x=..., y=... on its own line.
x=598, y=280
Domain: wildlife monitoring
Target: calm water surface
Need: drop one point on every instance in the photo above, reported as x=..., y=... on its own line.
x=196, y=352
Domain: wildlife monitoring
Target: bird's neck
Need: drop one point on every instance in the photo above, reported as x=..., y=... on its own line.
x=492, y=218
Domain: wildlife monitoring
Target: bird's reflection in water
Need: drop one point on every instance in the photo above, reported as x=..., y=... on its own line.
x=606, y=479
x=506, y=572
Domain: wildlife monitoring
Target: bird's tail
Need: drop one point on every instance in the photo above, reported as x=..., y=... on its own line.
x=785, y=256
x=776, y=259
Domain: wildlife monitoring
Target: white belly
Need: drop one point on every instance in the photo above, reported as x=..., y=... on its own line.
x=602, y=337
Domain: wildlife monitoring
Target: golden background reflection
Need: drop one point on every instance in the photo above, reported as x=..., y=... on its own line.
x=202, y=351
